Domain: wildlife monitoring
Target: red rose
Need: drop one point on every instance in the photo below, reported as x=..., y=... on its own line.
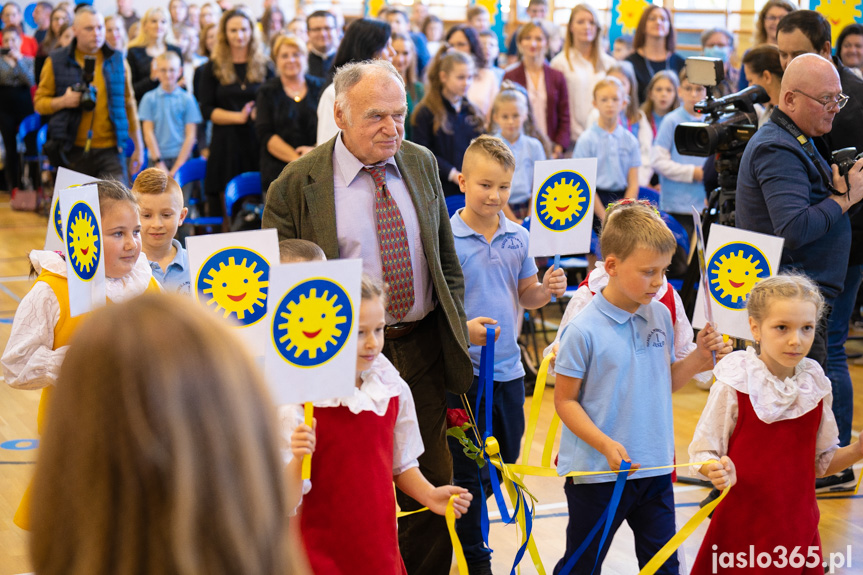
x=456, y=417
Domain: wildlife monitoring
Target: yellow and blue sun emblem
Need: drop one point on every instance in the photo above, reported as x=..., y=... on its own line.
x=234, y=282
x=58, y=220
x=312, y=322
x=562, y=201
x=733, y=270
x=83, y=241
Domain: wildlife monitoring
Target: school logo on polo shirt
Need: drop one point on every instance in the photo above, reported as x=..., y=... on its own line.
x=733, y=270
x=231, y=282
x=562, y=201
x=312, y=322
x=83, y=241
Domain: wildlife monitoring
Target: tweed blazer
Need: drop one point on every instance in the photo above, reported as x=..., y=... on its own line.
x=301, y=204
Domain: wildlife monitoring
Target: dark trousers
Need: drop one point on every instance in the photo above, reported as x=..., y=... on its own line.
x=101, y=163
x=647, y=505
x=507, y=427
x=423, y=538
x=818, y=351
x=837, y=360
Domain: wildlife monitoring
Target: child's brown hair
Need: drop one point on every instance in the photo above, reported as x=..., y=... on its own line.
x=153, y=182
x=371, y=288
x=493, y=148
x=632, y=225
x=161, y=451
x=295, y=250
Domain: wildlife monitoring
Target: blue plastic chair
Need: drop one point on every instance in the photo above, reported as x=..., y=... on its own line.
x=30, y=124
x=41, y=138
x=129, y=149
x=650, y=195
x=454, y=203
x=247, y=184
x=195, y=170
x=680, y=234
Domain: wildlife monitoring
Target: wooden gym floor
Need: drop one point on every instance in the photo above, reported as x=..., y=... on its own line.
x=841, y=524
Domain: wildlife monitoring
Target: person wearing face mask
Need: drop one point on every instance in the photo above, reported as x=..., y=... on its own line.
x=719, y=43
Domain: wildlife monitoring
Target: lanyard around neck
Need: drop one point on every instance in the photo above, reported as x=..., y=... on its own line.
x=783, y=121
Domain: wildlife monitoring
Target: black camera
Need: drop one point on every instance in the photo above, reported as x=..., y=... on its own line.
x=5, y=51
x=845, y=158
x=86, y=87
x=732, y=120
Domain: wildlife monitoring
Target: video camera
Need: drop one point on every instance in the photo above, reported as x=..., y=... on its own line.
x=86, y=87
x=732, y=119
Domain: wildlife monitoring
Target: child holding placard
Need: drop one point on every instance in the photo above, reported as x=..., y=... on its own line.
x=43, y=324
x=499, y=275
x=616, y=369
x=362, y=445
x=770, y=409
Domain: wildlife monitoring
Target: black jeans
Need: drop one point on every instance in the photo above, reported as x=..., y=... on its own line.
x=101, y=163
x=423, y=538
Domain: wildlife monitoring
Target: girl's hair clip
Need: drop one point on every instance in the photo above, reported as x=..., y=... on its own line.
x=630, y=201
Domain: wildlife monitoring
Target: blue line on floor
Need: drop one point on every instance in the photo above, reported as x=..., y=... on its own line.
x=10, y=293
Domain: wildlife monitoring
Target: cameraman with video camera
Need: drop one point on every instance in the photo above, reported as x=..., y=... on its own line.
x=809, y=32
x=86, y=89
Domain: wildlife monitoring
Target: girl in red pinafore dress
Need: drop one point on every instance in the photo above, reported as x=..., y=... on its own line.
x=769, y=422
x=362, y=444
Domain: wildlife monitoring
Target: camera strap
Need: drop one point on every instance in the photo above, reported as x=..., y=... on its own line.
x=783, y=121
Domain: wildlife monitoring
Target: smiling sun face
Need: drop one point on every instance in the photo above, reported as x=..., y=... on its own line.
x=234, y=282
x=839, y=13
x=562, y=201
x=58, y=220
x=629, y=13
x=312, y=322
x=733, y=271
x=83, y=243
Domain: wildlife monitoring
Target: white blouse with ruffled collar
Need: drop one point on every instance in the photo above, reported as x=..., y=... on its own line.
x=772, y=399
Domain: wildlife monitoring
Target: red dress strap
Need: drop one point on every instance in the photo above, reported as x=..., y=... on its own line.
x=348, y=519
x=773, y=503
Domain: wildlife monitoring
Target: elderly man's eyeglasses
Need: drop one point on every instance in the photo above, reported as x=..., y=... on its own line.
x=829, y=104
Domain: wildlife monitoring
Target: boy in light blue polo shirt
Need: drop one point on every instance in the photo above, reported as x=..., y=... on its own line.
x=169, y=117
x=498, y=276
x=615, y=373
x=680, y=177
x=160, y=203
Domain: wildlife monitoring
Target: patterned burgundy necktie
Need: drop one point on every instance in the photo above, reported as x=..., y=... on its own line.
x=393, y=241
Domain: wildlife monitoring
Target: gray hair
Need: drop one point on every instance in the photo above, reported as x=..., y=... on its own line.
x=351, y=74
x=708, y=33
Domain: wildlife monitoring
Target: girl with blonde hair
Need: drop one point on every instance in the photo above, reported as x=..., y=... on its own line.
x=583, y=64
x=155, y=37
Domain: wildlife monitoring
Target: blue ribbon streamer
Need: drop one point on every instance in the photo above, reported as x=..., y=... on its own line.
x=486, y=387
x=605, y=520
x=554, y=267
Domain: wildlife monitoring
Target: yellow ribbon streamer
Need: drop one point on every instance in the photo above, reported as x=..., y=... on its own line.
x=856, y=489
x=308, y=413
x=536, y=405
x=456, y=544
x=669, y=548
x=401, y=514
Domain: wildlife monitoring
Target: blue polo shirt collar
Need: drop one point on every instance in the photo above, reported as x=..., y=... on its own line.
x=621, y=316
x=462, y=230
x=179, y=261
x=350, y=167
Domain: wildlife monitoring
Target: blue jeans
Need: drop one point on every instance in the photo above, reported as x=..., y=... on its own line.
x=507, y=427
x=646, y=504
x=837, y=361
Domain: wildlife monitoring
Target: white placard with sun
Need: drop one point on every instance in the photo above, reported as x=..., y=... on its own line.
x=736, y=261
x=230, y=276
x=561, y=215
x=83, y=246
x=312, y=325
x=54, y=234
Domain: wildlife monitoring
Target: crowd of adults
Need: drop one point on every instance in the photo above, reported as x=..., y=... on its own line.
x=265, y=91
